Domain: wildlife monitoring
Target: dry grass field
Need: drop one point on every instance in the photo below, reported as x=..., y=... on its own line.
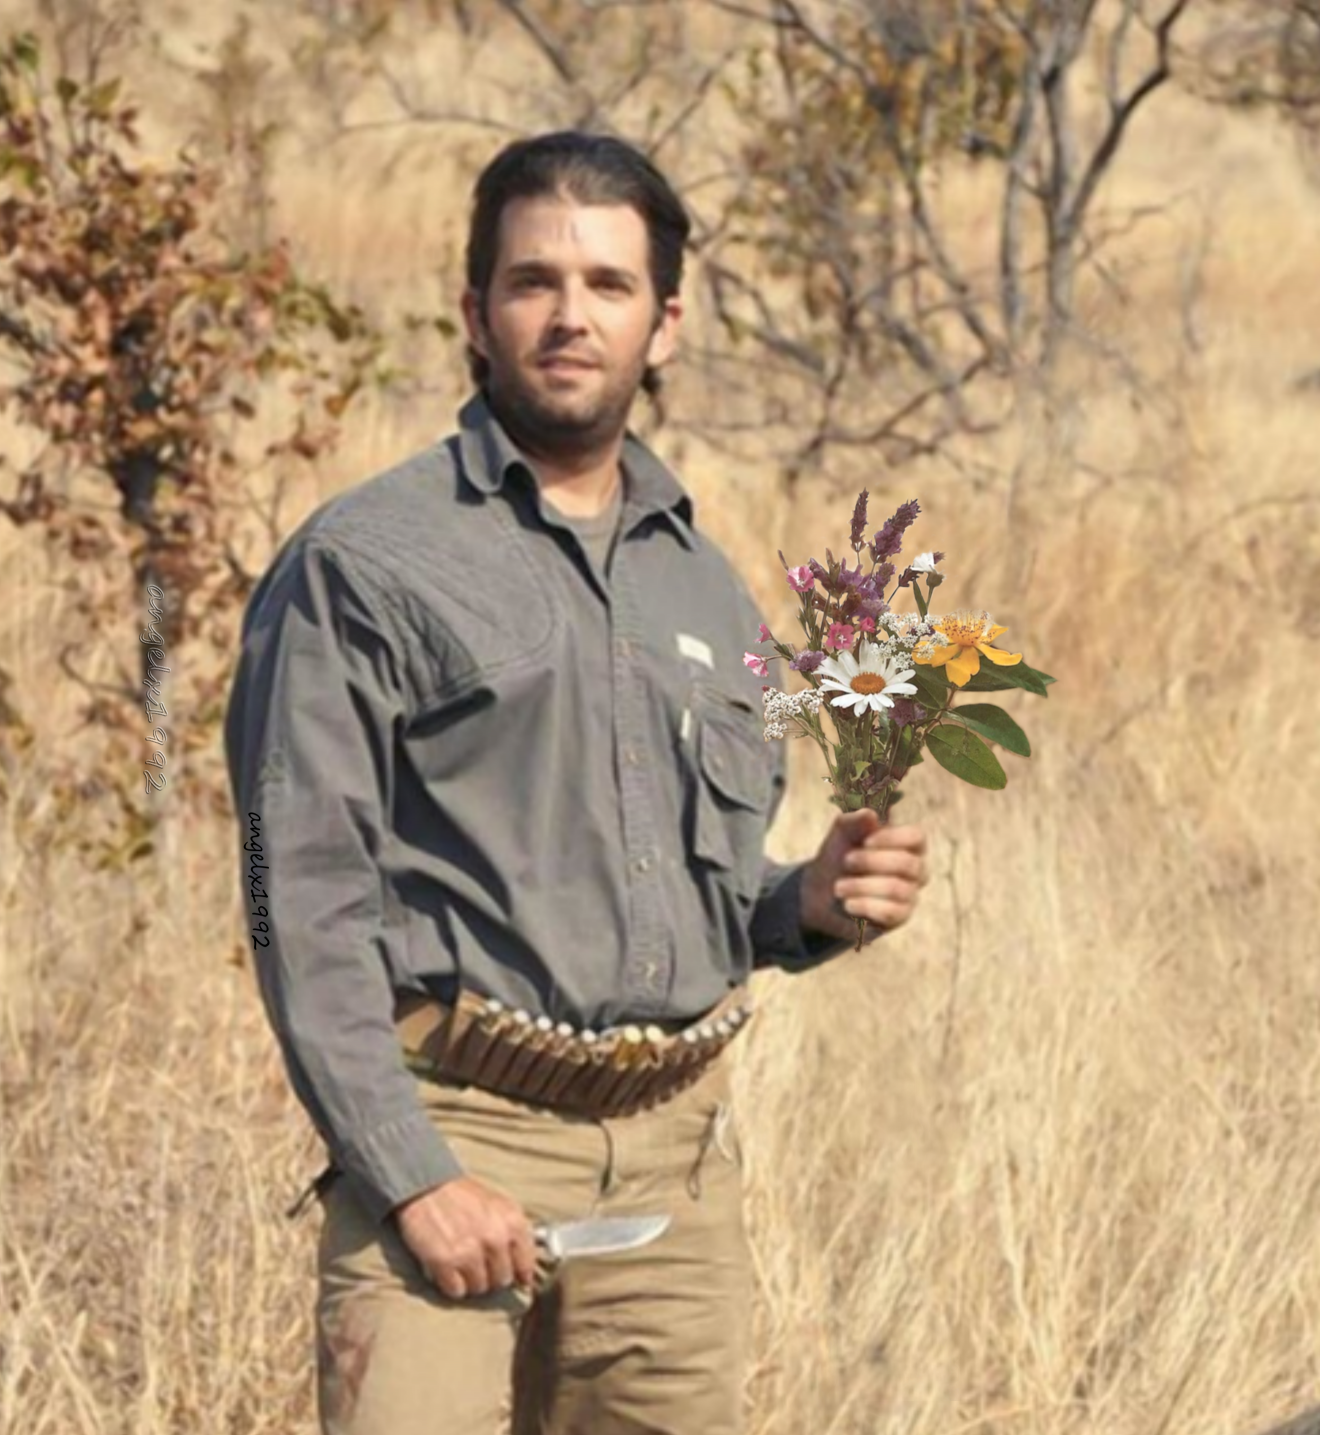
x=1043, y=1163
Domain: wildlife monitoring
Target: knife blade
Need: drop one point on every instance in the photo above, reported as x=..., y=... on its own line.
x=598, y=1236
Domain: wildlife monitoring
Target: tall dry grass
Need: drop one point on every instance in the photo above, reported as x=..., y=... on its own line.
x=1042, y=1163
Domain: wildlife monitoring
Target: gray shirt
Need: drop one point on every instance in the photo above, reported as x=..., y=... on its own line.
x=473, y=740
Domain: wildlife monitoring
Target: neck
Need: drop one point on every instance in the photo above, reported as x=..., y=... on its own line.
x=578, y=480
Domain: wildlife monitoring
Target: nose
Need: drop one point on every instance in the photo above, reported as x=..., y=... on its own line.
x=569, y=312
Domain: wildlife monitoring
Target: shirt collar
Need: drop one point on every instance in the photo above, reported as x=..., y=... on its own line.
x=488, y=453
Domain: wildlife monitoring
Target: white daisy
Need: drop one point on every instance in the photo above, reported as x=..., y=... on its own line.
x=870, y=685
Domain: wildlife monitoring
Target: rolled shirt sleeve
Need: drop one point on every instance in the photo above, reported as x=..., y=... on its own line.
x=778, y=936
x=310, y=742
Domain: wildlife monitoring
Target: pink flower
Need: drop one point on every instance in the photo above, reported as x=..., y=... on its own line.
x=867, y=625
x=765, y=633
x=801, y=579
x=757, y=664
x=840, y=636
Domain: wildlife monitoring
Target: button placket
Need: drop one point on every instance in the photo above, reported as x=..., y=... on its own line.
x=647, y=970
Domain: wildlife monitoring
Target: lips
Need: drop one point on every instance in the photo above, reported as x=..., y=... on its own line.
x=561, y=362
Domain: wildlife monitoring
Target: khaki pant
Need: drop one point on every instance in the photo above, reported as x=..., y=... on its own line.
x=646, y=1342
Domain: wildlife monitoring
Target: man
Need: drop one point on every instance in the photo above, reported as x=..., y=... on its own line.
x=491, y=722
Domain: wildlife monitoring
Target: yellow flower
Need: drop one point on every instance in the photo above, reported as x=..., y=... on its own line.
x=966, y=636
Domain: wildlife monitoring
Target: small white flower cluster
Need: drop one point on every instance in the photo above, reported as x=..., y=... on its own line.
x=782, y=708
x=902, y=632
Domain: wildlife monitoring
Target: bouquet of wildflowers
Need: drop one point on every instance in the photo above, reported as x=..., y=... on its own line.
x=890, y=678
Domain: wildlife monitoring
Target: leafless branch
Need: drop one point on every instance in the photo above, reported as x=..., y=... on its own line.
x=123, y=689
x=744, y=12
x=554, y=53
x=1123, y=108
x=767, y=332
x=699, y=95
x=1010, y=241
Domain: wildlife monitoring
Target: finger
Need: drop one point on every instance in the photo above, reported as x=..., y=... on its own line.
x=474, y=1268
x=910, y=839
x=523, y=1251
x=885, y=915
x=877, y=889
x=449, y=1282
x=885, y=864
x=499, y=1266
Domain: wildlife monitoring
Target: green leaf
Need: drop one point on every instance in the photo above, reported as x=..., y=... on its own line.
x=993, y=723
x=1028, y=678
x=859, y=767
x=988, y=680
x=961, y=752
x=923, y=605
x=66, y=89
x=1016, y=675
x=931, y=685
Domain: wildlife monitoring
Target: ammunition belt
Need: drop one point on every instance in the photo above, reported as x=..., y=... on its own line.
x=481, y=1042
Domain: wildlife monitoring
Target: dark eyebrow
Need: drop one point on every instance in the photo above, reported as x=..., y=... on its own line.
x=535, y=268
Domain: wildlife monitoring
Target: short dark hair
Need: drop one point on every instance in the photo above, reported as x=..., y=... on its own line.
x=591, y=169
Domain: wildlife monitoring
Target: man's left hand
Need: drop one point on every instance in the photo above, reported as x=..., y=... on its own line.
x=864, y=869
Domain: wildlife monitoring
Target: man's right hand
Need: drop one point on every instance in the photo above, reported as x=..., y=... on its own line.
x=468, y=1238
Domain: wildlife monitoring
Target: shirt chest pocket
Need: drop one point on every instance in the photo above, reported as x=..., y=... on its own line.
x=730, y=786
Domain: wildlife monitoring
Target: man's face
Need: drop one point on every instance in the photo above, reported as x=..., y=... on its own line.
x=570, y=323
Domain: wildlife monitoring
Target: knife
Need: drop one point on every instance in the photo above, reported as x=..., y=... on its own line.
x=596, y=1236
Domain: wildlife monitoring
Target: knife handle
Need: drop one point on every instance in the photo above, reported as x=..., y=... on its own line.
x=548, y=1258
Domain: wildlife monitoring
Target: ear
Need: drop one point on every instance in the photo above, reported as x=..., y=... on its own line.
x=664, y=341
x=476, y=330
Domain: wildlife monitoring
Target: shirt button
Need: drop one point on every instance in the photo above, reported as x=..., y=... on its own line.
x=642, y=864
x=631, y=756
x=624, y=648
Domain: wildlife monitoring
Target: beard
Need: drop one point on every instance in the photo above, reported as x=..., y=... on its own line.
x=566, y=423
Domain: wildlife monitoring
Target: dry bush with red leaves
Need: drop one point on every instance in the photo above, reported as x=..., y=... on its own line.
x=157, y=362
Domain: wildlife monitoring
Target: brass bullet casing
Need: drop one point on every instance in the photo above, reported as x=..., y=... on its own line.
x=515, y=1036
x=643, y=1080
x=484, y=1040
x=602, y=1071
x=525, y=1063
x=578, y=1057
x=551, y=1060
x=630, y=1051
x=695, y=1047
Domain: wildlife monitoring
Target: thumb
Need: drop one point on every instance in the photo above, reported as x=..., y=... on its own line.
x=851, y=829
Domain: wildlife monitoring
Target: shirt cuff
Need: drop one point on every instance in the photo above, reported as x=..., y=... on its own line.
x=778, y=937
x=397, y=1161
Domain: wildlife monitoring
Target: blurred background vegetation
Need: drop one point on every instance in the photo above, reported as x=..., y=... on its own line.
x=1049, y=266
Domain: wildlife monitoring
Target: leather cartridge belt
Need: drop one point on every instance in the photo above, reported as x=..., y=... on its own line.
x=481, y=1042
